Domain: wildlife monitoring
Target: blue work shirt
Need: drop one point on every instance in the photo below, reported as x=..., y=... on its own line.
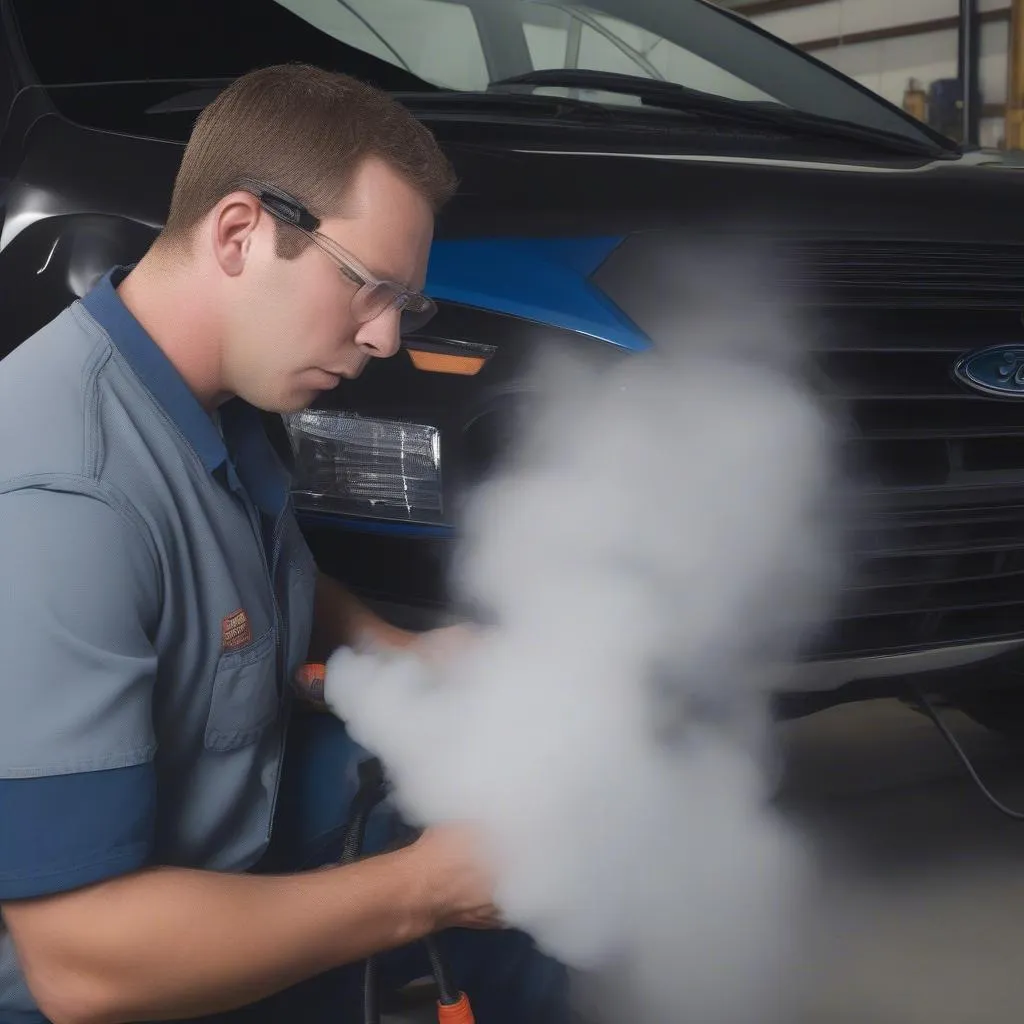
x=158, y=597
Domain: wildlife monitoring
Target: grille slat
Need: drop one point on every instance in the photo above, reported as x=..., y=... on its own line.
x=984, y=592
x=1005, y=543
x=907, y=274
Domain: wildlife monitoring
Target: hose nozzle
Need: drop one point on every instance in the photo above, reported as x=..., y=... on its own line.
x=309, y=682
x=456, y=1013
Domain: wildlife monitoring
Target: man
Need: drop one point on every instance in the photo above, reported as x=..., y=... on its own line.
x=160, y=597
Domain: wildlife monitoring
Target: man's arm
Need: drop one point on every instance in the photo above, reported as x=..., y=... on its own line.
x=169, y=943
x=105, y=936
x=340, y=619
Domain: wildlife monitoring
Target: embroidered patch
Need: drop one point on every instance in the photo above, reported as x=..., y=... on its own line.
x=235, y=630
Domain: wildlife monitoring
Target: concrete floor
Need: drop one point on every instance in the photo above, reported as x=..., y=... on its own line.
x=921, y=882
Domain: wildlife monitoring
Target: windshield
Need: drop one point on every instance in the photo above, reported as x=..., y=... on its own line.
x=467, y=45
x=456, y=47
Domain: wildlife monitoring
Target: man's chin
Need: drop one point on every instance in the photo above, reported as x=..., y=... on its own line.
x=297, y=402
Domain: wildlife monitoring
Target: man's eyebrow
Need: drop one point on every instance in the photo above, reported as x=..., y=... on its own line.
x=387, y=275
x=372, y=269
x=383, y=275
x=392, y=278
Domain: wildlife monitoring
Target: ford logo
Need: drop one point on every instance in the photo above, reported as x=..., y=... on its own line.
x=998, y=370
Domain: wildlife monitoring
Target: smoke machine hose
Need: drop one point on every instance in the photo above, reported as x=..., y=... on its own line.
x=453, y=1006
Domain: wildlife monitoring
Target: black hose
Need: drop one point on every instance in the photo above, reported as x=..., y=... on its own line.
x=372, y=790
x=448, y=993
x=947, y=735
x=371, y=1000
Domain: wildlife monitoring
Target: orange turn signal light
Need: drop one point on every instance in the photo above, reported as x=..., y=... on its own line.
x=455, y=356
x=444, y=362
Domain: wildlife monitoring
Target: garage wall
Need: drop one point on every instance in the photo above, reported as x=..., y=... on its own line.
x=927, y=52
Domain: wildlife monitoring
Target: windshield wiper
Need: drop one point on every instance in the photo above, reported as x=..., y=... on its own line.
x=451, y=100
x=672, y=96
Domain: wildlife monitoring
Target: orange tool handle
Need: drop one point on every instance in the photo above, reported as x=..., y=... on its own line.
x=456, y=1013
x=309, y=682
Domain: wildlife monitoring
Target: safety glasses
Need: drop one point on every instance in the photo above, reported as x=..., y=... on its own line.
x=373, y=296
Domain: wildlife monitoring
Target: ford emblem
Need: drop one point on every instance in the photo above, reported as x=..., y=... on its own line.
x=998, y=370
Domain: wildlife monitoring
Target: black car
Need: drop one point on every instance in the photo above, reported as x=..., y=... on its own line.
x=593, y=143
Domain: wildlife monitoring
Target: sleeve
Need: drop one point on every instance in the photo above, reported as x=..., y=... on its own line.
x=78, y=601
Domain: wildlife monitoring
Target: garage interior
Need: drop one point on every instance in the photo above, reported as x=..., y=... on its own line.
x=917, y=876
x=955, y=66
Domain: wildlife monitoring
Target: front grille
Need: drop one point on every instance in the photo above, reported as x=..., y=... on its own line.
x=940, y=555
x=888, y=319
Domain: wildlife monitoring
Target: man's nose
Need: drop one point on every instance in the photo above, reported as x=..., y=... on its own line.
x=381, y=337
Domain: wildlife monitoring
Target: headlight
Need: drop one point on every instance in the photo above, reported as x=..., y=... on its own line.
x=381, y=468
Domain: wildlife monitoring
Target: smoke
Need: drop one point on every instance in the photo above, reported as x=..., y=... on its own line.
x=652, y=560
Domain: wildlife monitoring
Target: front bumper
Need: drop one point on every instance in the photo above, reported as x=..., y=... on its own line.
x=827, y=675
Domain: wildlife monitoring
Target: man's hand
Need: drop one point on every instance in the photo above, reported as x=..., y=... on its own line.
x=440, y=645
x=460, y=887
x=342, y=620
x=436, y=647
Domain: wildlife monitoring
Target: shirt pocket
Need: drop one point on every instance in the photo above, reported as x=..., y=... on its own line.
x=245, y=699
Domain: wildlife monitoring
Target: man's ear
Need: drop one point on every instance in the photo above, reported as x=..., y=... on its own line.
x=232, y=223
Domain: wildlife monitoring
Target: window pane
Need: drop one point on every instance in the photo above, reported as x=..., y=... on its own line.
x=600, y=53
x=546, y=44
x=434, y=39
x=674, y=63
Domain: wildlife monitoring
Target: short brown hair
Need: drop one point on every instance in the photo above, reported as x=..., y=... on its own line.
x=304, y=130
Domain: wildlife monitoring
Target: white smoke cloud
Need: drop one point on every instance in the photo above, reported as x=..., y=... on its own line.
x=652, y=559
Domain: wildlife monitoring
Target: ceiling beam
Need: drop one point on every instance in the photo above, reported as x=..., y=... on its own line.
x=912, y=28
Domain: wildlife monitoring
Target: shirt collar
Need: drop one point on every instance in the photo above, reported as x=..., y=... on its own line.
x=261, y=472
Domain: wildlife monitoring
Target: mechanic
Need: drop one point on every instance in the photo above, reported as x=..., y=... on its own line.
x=160, y=598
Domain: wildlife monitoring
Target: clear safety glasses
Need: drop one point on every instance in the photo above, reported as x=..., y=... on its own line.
x=373, y=296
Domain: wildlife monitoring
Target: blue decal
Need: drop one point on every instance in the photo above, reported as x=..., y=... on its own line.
x=997, y=370
x=539, y=279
